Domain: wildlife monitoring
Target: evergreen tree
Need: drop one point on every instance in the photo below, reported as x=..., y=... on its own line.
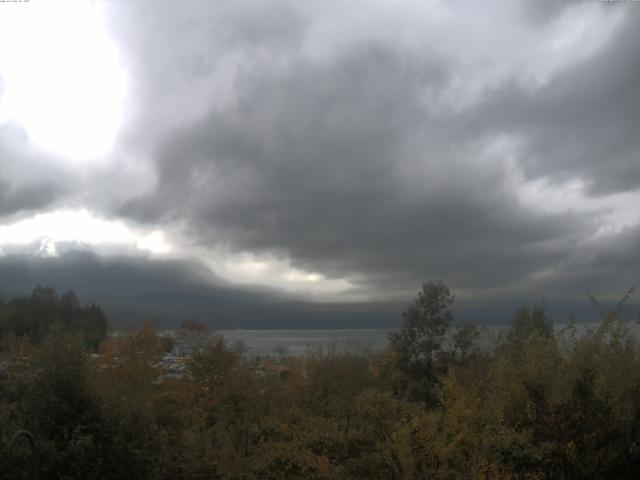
x=418, y=344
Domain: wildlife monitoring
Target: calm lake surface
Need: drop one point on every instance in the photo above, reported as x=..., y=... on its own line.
x=301, y=342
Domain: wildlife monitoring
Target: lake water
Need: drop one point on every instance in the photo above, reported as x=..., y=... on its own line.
x=301, y=342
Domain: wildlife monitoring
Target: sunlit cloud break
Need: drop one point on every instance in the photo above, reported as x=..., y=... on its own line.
x=64, y=84
x=79, y=228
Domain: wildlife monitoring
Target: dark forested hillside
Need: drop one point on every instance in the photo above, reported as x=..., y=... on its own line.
x=34, y=316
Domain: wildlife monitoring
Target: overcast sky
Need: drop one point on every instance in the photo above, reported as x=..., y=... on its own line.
x=332, y=150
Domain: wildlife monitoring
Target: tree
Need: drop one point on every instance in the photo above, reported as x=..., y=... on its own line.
x=465, y=341
x=33, y=316
x=525, y=324
x=240, y=347
x=60, y=407
x=419, y=341
x=194, y=335
x=192, y=328
x=214, y=363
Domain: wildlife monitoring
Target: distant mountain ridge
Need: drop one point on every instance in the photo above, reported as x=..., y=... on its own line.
x=166, y=292
x=167, y=309
x=231, y=309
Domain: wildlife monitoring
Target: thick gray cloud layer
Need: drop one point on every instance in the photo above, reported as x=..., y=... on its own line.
x=28, y=180
x=351, y=180
x=360, y=147
x=351, y=167
x=584, y=123
x=89, y=273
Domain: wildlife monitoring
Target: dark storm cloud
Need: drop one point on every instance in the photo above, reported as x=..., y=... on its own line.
x=31, y=197
x=344, y=168
x=29, y=180
x=125, y=274
x=353, y=167
x=607, y=268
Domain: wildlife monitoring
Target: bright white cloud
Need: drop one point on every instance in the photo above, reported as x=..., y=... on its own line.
x=61, y=77
x=249, y=269
x=79, y=227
